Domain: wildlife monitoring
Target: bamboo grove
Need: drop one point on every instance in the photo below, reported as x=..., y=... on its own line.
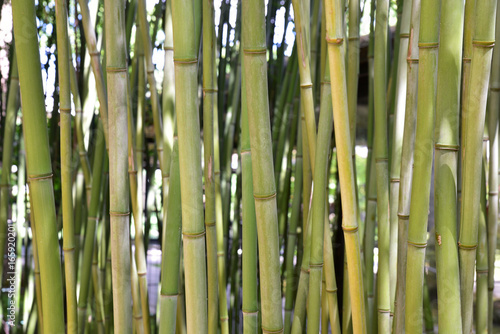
x=279, y=166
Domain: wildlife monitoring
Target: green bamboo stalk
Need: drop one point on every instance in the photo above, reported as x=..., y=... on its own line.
x=482, y=262
x=445, y=171
x=330, y=280
x=209, y=91
x=186, y=67
x=66, y=164
x=36, y=271
x=428, y=321
x=422, y=167
x=381, y=166
x=292, y=233
x=494, y=104
x=250, y=305
x=318, y=204
x=335, y=38
x=95, y=61
x=7, y=152
x=397, y=143
x=407, y=165
x=136, y=308
x=302, y=31
x=116, y=69
x=255, y=68
x=474, y=116
x=38, y=163
x=353, y=66
x=155, y=100
x=96, y=283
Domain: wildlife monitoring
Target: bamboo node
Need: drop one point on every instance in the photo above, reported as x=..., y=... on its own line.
x=82, y=153
x=116, y=69
x=331, y=290
x=353, y=38
x=65, y=110
x=166, y=48
x=150, y=71
x=381, y=160
x=70, y=249
x=249, y=312
x=481, y=271
x=119, y=213
x=349, y=229
x=492, y=193
x=466, y=247
x=305, y=271
x=486, y=138
x=134, y=172
x=404, y=35
x=383, y=311
x=446, y=147
x=4, y=186
x=316, y=265
x=483, y=44
x=335, y=41
x=272, y=331
x=466, y=60
x=395, y=180
x=403, y=216
x=264, y=197
x=95, y=53
x=39, y=177
x=141, y=273
x=305, y=86
x=430, y=45
x=224, y=319
x=194, y=235
x=209, y=224
x=495, y=89
x=255, y=51
x=372, y=199
x=169, y=295
x=417, y=244
x=220, y=254
x=325, y=83
x=210, y=90
x=247, y=151
x=412, y=60
x=185, y=60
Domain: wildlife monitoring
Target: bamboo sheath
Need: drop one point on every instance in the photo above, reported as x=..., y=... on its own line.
x=63, y=59
x=334, y=38
x=264, y=187
x=38, y=163
x=446, y=161
x=473, y=117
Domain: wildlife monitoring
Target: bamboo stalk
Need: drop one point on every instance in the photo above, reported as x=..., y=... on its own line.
x=407, y=165
x=353, y=66
x=445, y=171
x=494, y=105
x=250, y=305
x=335, y=39
x=66, y=165
x=116, y=68
x=482, y=261
x=381, y=166
x=186, y=67
x=422, y=167
x=264, y=187
x=39, y=163
x=474, y=116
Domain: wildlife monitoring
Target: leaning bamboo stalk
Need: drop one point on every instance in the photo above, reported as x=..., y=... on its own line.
x=494, y=105
x=250, y=305
x=397, y=143
x=422, y=167
x=407, y=166
x=255, y=68
x=7, y=152
x=335, y=39
x=63, y=59
x=95, y=61
x=381, y=166
x=186, y=68
x=209, y=95
x=116, y=69
x=445, y=171
x=353, y=66
x=39, y=163
x=472, y=132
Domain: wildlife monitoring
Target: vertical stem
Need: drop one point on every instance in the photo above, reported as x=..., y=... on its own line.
x=185, y=27
x=445, y=170
x=264, y=187
x=39, y=163
x=116, y=62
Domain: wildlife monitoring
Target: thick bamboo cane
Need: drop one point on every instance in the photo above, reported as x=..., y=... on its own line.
x=116, y=69
x=335, y=38
x=446, y=161
x=264, y=189
x=472, y=132
x=185, y=27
